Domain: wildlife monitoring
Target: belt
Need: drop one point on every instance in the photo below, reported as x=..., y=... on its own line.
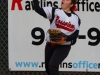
x=52, y=44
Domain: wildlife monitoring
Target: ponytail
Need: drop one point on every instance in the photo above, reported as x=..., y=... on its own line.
x=74, y=8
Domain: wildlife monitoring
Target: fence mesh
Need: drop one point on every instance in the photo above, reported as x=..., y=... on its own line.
x=4, y=48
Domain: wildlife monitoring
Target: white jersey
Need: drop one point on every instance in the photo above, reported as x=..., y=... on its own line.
x=63, y=22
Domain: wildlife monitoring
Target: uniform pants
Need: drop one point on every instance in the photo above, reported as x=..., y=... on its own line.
x=54, y=55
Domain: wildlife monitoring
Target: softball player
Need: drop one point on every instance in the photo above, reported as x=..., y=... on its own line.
x=65, y=20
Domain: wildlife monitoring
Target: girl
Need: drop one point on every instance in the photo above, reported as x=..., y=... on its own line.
x=65, y=20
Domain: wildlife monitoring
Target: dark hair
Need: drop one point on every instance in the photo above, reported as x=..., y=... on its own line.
x=73, y=2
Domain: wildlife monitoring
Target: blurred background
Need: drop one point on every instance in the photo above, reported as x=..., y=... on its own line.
x=4, y=48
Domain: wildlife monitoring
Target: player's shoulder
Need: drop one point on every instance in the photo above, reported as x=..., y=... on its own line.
x=79, y=20
x=75, y=15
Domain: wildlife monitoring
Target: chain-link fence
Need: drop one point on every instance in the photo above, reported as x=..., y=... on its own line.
x=4, y=47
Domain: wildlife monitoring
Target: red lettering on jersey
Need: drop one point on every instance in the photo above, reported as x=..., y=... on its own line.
x=18, y=2
x=64, y=25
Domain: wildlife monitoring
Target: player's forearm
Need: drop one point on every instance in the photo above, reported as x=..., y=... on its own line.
x=38, y=9
x=73, y=36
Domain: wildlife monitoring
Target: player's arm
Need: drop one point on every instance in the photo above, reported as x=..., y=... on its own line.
x=43, y=11
x=38, y=9
x=72, y=36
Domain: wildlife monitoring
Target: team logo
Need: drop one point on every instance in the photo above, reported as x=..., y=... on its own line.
x=64, y=25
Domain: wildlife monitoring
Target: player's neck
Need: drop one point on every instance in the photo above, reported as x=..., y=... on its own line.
x=67, y=10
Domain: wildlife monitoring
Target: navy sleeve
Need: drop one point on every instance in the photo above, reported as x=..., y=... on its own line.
x=37, y=8
x=73, y=36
